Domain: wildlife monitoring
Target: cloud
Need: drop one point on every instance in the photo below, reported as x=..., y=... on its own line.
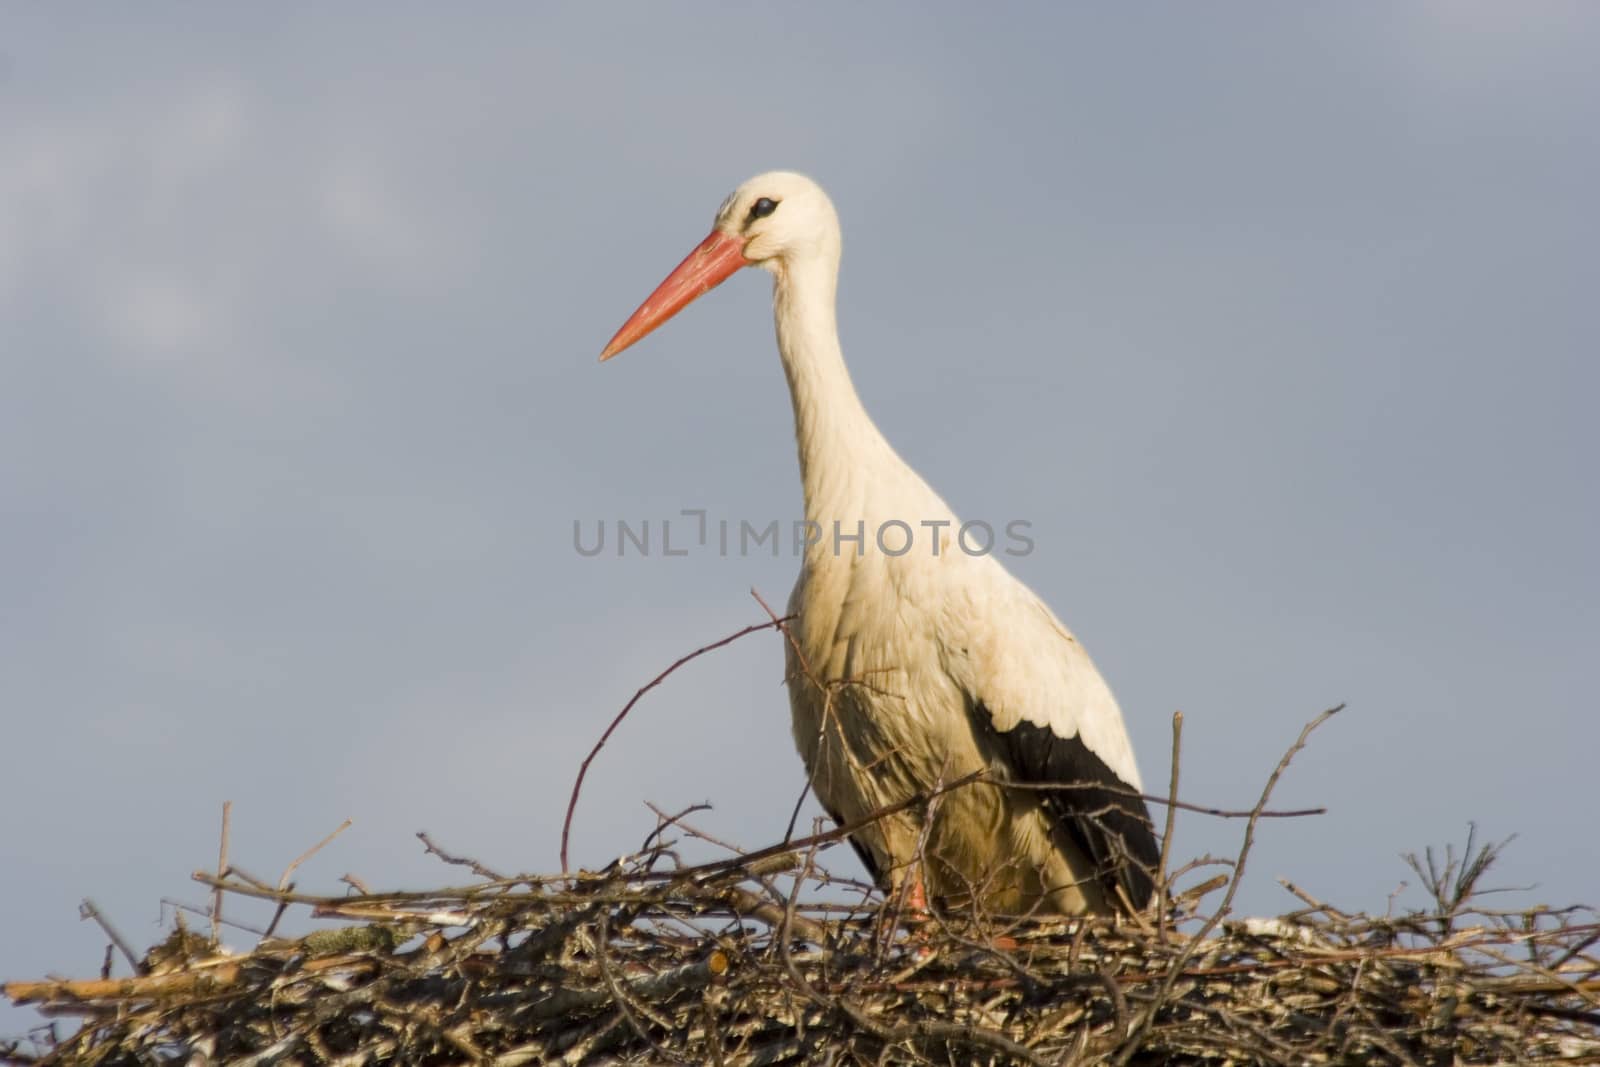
x=364, y=211
x=161, y=314
x=44, y=175
x=96, y=213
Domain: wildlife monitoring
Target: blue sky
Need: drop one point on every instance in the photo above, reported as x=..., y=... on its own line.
x=1276, y=323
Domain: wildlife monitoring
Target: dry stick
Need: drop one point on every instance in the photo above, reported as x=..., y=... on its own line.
x=222, y=872
x=839, y=833
x=665, y=822
x=239, y=872
x=460, y=861
x=1149, y=1017
x=88, y=910
x=208, y=974
x=257, y=887
x=122, y=988
x=1327, y=909
x=890, y=1035
x=583, y=769
x=827, y=702
x=283, y=883
x=1576, y=950
x=277, y=917
x=617, y=996
x=744, y=902
x=1250, y=827
x=799, y=802
x=205, y=913
x=1181, y=805
x=1545, y=973
x=1319, y=957
x=1162, y=889
x=251, y=887
x=826, y=690
x=668, y=821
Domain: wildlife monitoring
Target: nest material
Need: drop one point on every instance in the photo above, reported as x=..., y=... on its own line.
x=766, y=959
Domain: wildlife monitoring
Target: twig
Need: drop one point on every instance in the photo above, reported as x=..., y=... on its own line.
x=583, y=769
x=277, y=917
x=839, y=833
x=460, y=861
x=744, y=902
x=222, y=872
x=239, y=872
x=621, y=999
x=177, y=905
x=689, y=828
x=1257, y=814
x=916, y=1032
x=827, y=700
x=1131, y=1046
x=89, y=910
x=824, y=689
x=283, y=882
x=1162, y=888
x=1181, y=805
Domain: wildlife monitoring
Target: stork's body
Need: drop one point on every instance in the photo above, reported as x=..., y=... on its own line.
x=914, y=668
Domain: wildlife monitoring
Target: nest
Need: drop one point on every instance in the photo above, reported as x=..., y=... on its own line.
x=764, y=958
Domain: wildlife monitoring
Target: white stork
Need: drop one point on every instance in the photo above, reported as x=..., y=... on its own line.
x=910, y=669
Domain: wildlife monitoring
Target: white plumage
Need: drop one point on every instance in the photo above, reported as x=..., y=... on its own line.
x=917, y=668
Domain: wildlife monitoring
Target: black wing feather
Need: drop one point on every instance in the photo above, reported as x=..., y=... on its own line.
x=1099, y=812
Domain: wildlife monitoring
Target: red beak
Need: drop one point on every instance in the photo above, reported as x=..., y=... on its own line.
x=708, y=266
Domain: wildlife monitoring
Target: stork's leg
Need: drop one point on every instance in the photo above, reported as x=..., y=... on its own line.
x=905, y=904
x=910, y=907
x=917, y=895
x=909, y=898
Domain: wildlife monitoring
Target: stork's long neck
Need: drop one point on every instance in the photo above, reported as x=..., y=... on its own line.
x=841, y=449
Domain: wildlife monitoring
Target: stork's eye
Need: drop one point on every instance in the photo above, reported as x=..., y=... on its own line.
x=763, y=207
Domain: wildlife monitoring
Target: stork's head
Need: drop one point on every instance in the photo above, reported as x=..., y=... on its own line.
x=773, y=221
